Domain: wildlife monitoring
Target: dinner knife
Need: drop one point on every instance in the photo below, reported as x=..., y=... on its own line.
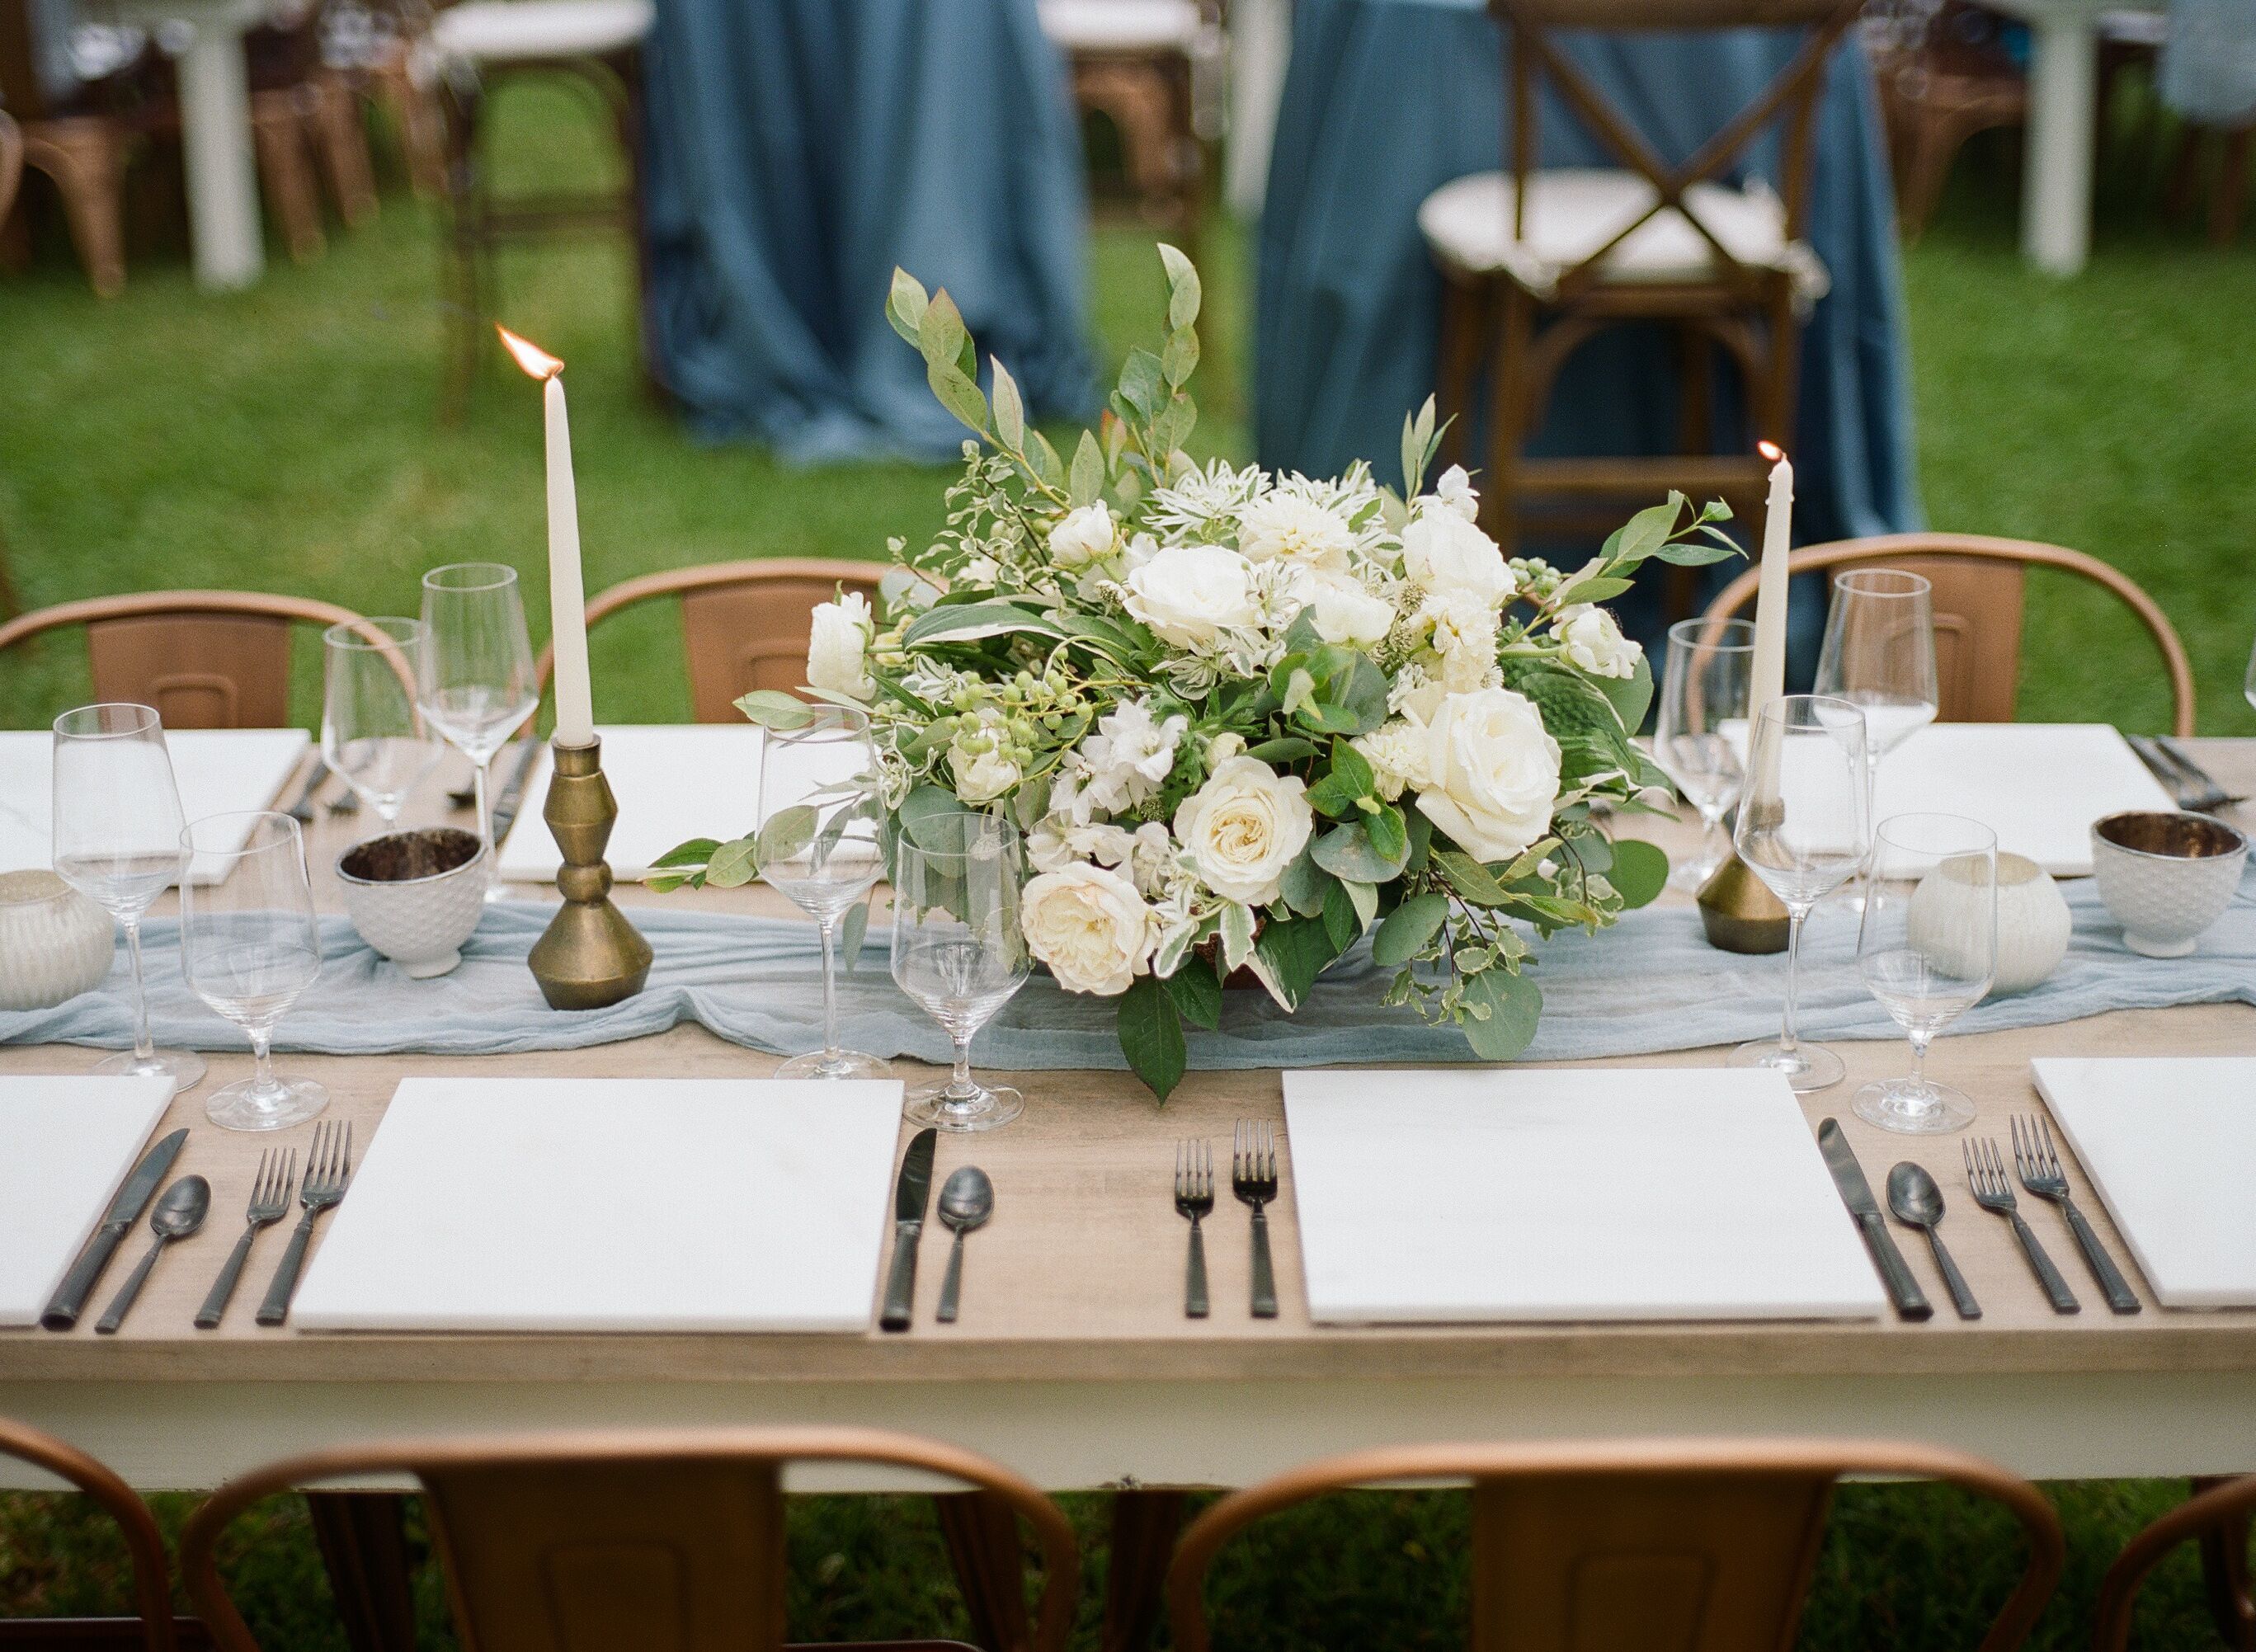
x=512, y=791
x=909, y=1196
x=1857, y=1194
x=70, y=1297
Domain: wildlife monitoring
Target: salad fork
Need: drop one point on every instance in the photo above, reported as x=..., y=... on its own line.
x=270, y=1203
x=1993, y=1191
x=2038, y=1162
x=328, y=1168
x=1195, y=1199
x=1254, y=1179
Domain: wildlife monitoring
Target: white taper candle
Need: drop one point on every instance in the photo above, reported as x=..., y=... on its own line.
x=567, y=596
x=1769, y=680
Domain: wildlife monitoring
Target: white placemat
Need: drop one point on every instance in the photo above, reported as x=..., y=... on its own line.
x=218, y=771
x=2039, y=786
x=1493, y=1194
x=2170, y=1143
x=66, y=1143
x=613, y=1204
x=674, y=782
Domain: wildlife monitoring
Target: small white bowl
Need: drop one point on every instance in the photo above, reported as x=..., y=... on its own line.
x=2167, y=877
x=415, y=897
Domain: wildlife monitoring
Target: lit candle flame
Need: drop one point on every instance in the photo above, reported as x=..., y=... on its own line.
x=529, y=356
x=1771, y=450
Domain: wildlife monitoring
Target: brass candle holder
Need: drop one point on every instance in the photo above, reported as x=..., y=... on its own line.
x=591, y=955
x=1739, y=912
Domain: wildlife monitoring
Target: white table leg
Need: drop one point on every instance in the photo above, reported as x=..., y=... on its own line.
x=1260, y=45
x=2056, y=187
x=222, y=189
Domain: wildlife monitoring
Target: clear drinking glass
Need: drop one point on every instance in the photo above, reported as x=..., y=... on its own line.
x=117, y=842
x=817, y=843
x=1703, y=702
x=248, y=947
x=1804, y=825
x=959, y=952
x=372, y=731
x=1879, y=655
x=1928, y=950
x=2248, y=683
x=476, y=685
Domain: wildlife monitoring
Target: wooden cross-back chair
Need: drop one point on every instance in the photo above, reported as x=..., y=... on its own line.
x=1636, y=1543
x=2216, y=1517
x=1978, y=592
x=1538, y=261
x=743, y=625
x=205, y=659
x=663, y=1543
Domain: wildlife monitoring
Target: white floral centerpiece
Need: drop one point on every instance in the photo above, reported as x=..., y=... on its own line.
x=1245, y=719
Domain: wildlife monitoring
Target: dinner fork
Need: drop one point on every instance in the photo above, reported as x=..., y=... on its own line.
x=2038, y=1162
x=270, y=1203
x=1194, y=1198
x=1254, y=1179
x=1993, y=1191
x=2209, y=797
x=328, y=1168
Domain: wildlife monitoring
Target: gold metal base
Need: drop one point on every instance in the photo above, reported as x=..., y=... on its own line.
x=591, y=955
x=1739, y=912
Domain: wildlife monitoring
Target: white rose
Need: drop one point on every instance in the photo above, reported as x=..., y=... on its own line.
x=1347, y=614
x=1456, y=490
x=1244, y=827
x=1491, y=773
x=837, y=646
x=980, y=760
x=1594, y=643
x=1089, y=926
x=1443, y=551
x=1086, y=535
x=1190, y=593
x=1284, y=527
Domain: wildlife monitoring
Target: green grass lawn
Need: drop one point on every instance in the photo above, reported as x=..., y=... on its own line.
x=284, y=439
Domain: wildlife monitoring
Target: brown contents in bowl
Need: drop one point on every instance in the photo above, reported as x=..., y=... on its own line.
x=405, y=857
x=2180, y=837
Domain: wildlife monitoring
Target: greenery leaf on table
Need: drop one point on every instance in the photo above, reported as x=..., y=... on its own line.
x=1151, y=1035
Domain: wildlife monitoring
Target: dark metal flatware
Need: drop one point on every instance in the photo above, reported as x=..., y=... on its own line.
x=967, y=1199
x=328, y=1170
x=2038, y=1164
x=512, y=791
x=301, y=810
x=1857, y=1194
x=1254, y=1179
x=1194, y=1201
x=180, y=1213
x=1917, y=1202
x=2208, y=794
x=270, y=1203
x=910, y=1193
x=1993, y=1191
x=69, y=1300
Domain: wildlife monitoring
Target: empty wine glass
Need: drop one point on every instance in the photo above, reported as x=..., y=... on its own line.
x=117, y=842
x=959, y=952
x=1704, y=701
x=372, y=731
x=2248, y=683
x=1879, y=655
x=248, y=947
x=1928, y=950
x=476, y=683
x=817, y=843
x=1803, y=829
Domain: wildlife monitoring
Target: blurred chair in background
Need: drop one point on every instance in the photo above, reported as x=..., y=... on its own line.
x=2216, y=1517
x=1943, y=75
x=11, y=174
x=78, y=132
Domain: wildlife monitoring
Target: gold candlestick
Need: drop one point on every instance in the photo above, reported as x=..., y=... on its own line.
x=591, y=955
x=1739, y=912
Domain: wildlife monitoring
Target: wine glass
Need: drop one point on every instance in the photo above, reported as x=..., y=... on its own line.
x=248, y=947
x=1879, y=655
x=1704, y=699
x=372, y=731
x=476, y=685
x=2248, y=683
x=959, y=952
x=117, y=842
x=817, y=843
x=1928, y=950
x=1803, y=825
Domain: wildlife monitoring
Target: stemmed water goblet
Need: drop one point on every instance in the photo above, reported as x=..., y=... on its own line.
x=117, y=842
x=1704, y=703
x=959, y=950
x=476, y=685
x=816, y=843
x=373, y=732
x=1879, y=655
x=1928, y=950
x=248, y=947
x=1804, y=826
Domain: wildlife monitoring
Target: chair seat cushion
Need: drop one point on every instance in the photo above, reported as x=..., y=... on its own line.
x=523, y=31
x=1571, y=213
x=1123, y=26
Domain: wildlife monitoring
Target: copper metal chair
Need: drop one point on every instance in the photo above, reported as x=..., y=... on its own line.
x=1631, y=1543
x=1536, y=262
x=153, y=1627
x=1978, y=588
x=2217, y=1515
x=606, y=1539
x=743, y=625
x=11, y=174
x=1943, y=75
x=205, y=659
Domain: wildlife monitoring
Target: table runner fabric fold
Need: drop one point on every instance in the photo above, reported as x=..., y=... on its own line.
x=1650, y=984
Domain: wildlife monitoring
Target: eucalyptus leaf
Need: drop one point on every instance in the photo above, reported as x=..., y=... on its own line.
x=1009, y=409
x=1304, y=883
x=1409, y=929
x=940, y=332
x=1347, y=852
x=733, y=863
x=851, y=932
x=1499, y=1013
x=773, y=708
x=958, y=395
x=1639, y=872
x=905, y=306
x=1042, y=460
x=1151, y=1031
x=1088, y=481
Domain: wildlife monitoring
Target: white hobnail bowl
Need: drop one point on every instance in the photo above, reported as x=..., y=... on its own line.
x=54, y=943
x=418, y=923
x=2167, y=877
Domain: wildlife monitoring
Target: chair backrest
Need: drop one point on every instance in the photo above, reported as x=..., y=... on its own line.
x=1635, y=1543
x=1789, y=102
x=663, y=1543
x=152, y=1590
x=205, y=659
x=2221, y=1511
x=743, y=625
x=1978, y=611
x=11, y=163
x=21, y=88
